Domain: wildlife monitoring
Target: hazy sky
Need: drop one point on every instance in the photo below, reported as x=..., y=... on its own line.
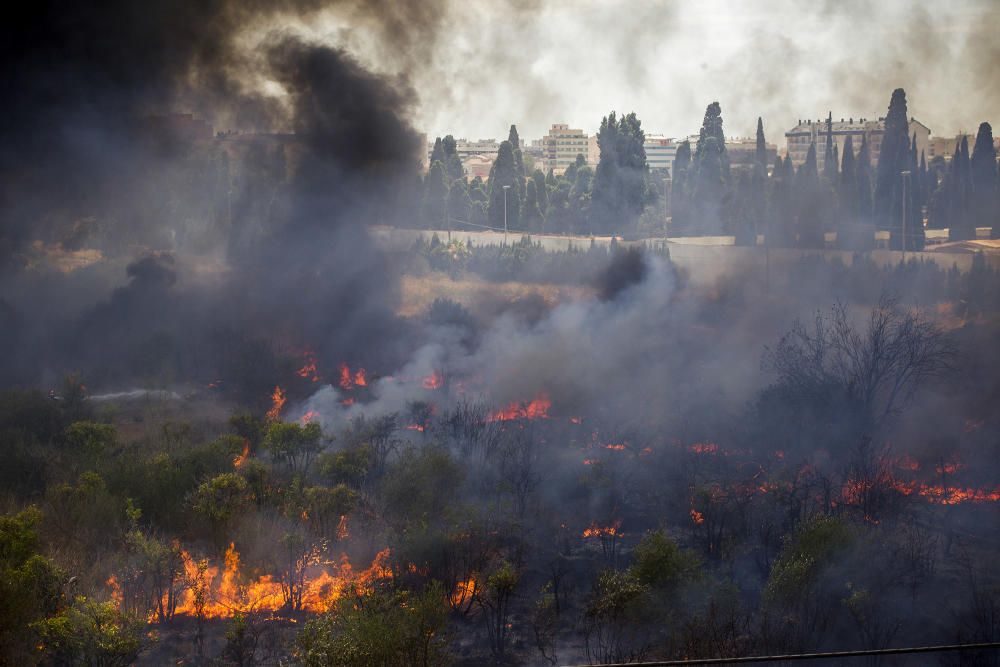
x=478, y=66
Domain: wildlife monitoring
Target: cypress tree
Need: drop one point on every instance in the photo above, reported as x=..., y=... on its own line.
x=983, y=168
x=961, y=226
x=894, y=159
x=709, y=179
x=621, y=183
x=847, y=199
x=435, y=196
x=452, y=163
x=752, y=196
x=809, y=208
x=542, y=190
x=437, y=153
x=830, y=155
x=504, y=172
x=680, y=212
x=515, y=143
x=760, y=157
x=459, y=203
x=866, y=222
x=531, y=212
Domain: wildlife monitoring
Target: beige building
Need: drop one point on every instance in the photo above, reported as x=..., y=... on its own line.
x=561, y=146
x=808, y=132
x=478, y=165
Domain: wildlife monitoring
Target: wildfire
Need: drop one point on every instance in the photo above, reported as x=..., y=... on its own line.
x=308, y=369
x=415, y=427
x=433, y=381
x=603, y=531
x=464, y=592
x=241, y=458
x=576, y=420
x=615, y=447
x=277, y=403
x=308, y=417
x=703, y=448
x=213, y=594
x=697, y=517
x=536, y=409
x=349, y=381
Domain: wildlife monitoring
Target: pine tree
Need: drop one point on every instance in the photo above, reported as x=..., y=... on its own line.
x=983, y=168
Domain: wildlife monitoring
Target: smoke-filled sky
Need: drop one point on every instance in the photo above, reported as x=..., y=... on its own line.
x=477, y=67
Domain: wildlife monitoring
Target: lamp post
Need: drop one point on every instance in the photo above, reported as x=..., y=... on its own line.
x=505, y=189
x=906, y=178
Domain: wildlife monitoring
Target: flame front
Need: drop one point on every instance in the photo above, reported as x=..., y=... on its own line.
x=603, y=531
x=241, y=458
x=210, y=594
x=277, y=404
x=535, y=409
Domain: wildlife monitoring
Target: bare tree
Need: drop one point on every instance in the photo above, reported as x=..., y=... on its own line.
x=875, y=367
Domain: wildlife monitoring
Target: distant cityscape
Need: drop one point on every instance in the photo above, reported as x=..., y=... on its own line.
x=558, y=149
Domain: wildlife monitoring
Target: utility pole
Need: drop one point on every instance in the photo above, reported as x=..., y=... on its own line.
x=906, y=178
x=505, y=189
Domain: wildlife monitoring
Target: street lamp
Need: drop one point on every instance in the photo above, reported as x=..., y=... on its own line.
x=505, y=189
x=906, y=178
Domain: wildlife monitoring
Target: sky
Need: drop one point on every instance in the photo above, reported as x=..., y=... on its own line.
x=476, y=67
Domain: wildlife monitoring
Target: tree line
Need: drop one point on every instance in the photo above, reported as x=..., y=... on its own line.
x=852, y=194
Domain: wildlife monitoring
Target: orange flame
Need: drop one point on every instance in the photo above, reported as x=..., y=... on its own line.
x=212, y=594
x=346, y=381
x=433, y=381
x=704, y=448
x=241, y=458
x=277, y=403
x=615, y=447
x=603, y=531
x=308, y=369
x=464, y=592
x=536, y=409
x=361, y=378
x=697, y=517
x=308, y=417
